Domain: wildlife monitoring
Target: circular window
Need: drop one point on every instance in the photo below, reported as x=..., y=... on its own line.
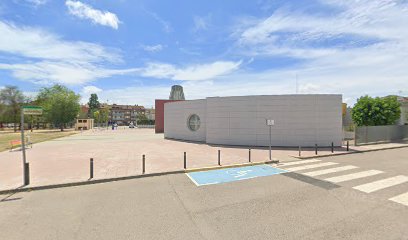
x=193, y=122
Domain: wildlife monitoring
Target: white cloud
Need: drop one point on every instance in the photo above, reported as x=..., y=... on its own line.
x=36, y=43
x=153, y=48
x=165, y=24
x=88, y=90
x=54, y=60
x=47, y=72
x=37, y=2
x=359, y=48
x=85, y=11
x=201, y=23
x=190, y=73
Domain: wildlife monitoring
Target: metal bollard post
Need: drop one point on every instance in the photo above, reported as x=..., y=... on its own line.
x=219, y=157
x=27, y=174
x=91, y=168
x=249, y=155
x=332, y=147
x=300, y=151
x=143, y=164
x=185, y=160
x=316, y=149
x=347, y=145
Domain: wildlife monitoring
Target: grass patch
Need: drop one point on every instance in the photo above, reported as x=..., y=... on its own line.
x=36, y=136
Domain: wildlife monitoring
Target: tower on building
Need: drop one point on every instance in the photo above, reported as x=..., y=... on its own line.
x=176, y=93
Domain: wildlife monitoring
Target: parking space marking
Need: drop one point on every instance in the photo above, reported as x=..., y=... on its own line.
x=330, y=170
x=381, y=184
x=293, y=169
x=232, y=174
x=298, y=162
x=353, y=176
x=402, y=199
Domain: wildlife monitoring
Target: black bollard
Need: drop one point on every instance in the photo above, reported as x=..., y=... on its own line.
x=219, y=157
x=143, y=164
x=347, y=145
x=249, y=155
x=27, y=174
x=185, y=160
x=316, y=149
x=91, y=168
x=300, y=151
x=332, y=147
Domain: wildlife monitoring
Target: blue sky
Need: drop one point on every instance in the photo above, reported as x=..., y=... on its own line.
x=131, y=52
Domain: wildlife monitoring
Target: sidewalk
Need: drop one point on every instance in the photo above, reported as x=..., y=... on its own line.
x=326, y=151
x=119, y=154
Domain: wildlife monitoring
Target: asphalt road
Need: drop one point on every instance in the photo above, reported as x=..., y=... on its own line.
x=286, y=206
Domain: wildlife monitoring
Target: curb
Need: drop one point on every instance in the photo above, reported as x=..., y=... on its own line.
x=106, y=180
x=88, y=182
x=347, y=153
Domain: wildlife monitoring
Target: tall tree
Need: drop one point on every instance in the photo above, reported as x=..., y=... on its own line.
x=93, y=104
x=96, y=116
x=104, y=115
x=11, y=98
x=377, y=111
x=61, y=105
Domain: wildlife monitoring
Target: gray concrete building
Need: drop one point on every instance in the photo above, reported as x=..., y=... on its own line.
x=299, y=120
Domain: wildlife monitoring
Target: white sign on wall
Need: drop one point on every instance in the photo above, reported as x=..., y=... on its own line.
x=270, y=122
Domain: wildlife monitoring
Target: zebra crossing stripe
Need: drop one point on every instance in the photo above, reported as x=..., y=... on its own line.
x=402, y=199
x=381, y=184
x=299, y=162
x=310, y=166
x=330, y=170
x=353, y=176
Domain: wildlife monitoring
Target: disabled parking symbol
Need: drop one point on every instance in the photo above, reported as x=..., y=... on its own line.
x=238, y=173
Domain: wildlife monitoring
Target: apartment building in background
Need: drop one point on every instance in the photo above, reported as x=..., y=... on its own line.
x=125, y=114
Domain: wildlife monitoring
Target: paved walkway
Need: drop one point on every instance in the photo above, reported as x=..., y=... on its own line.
x=119, y=153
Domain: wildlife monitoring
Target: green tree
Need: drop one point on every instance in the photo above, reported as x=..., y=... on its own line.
x=96, y=116
x=93, y=104
x=12, y=99
x=60, y=105
x=377, y=111
x=104, y=115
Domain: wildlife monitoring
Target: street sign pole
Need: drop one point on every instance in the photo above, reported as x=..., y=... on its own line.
x=27, y=110
x=23, y=150
x=270, y=142
x=270, y=123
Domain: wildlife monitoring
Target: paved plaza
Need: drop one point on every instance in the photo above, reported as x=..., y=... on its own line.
x=119, y=153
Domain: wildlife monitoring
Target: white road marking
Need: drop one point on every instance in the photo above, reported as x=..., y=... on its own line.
x=192, y=179
x=299, y=162
x=310, y=166
x=381, y=184
x=330, y=170
x=353, y=176
x=403, y=199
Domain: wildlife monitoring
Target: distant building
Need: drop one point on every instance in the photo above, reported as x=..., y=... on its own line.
x=84, y=111
x=176, y=93
x=150, y=113
x=125, y=114
x=84, y=124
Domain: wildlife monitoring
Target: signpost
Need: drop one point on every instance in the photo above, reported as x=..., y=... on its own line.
x=27, y=110
x=270, y=123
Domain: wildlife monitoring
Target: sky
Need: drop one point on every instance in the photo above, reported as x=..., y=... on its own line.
x=133, y=51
